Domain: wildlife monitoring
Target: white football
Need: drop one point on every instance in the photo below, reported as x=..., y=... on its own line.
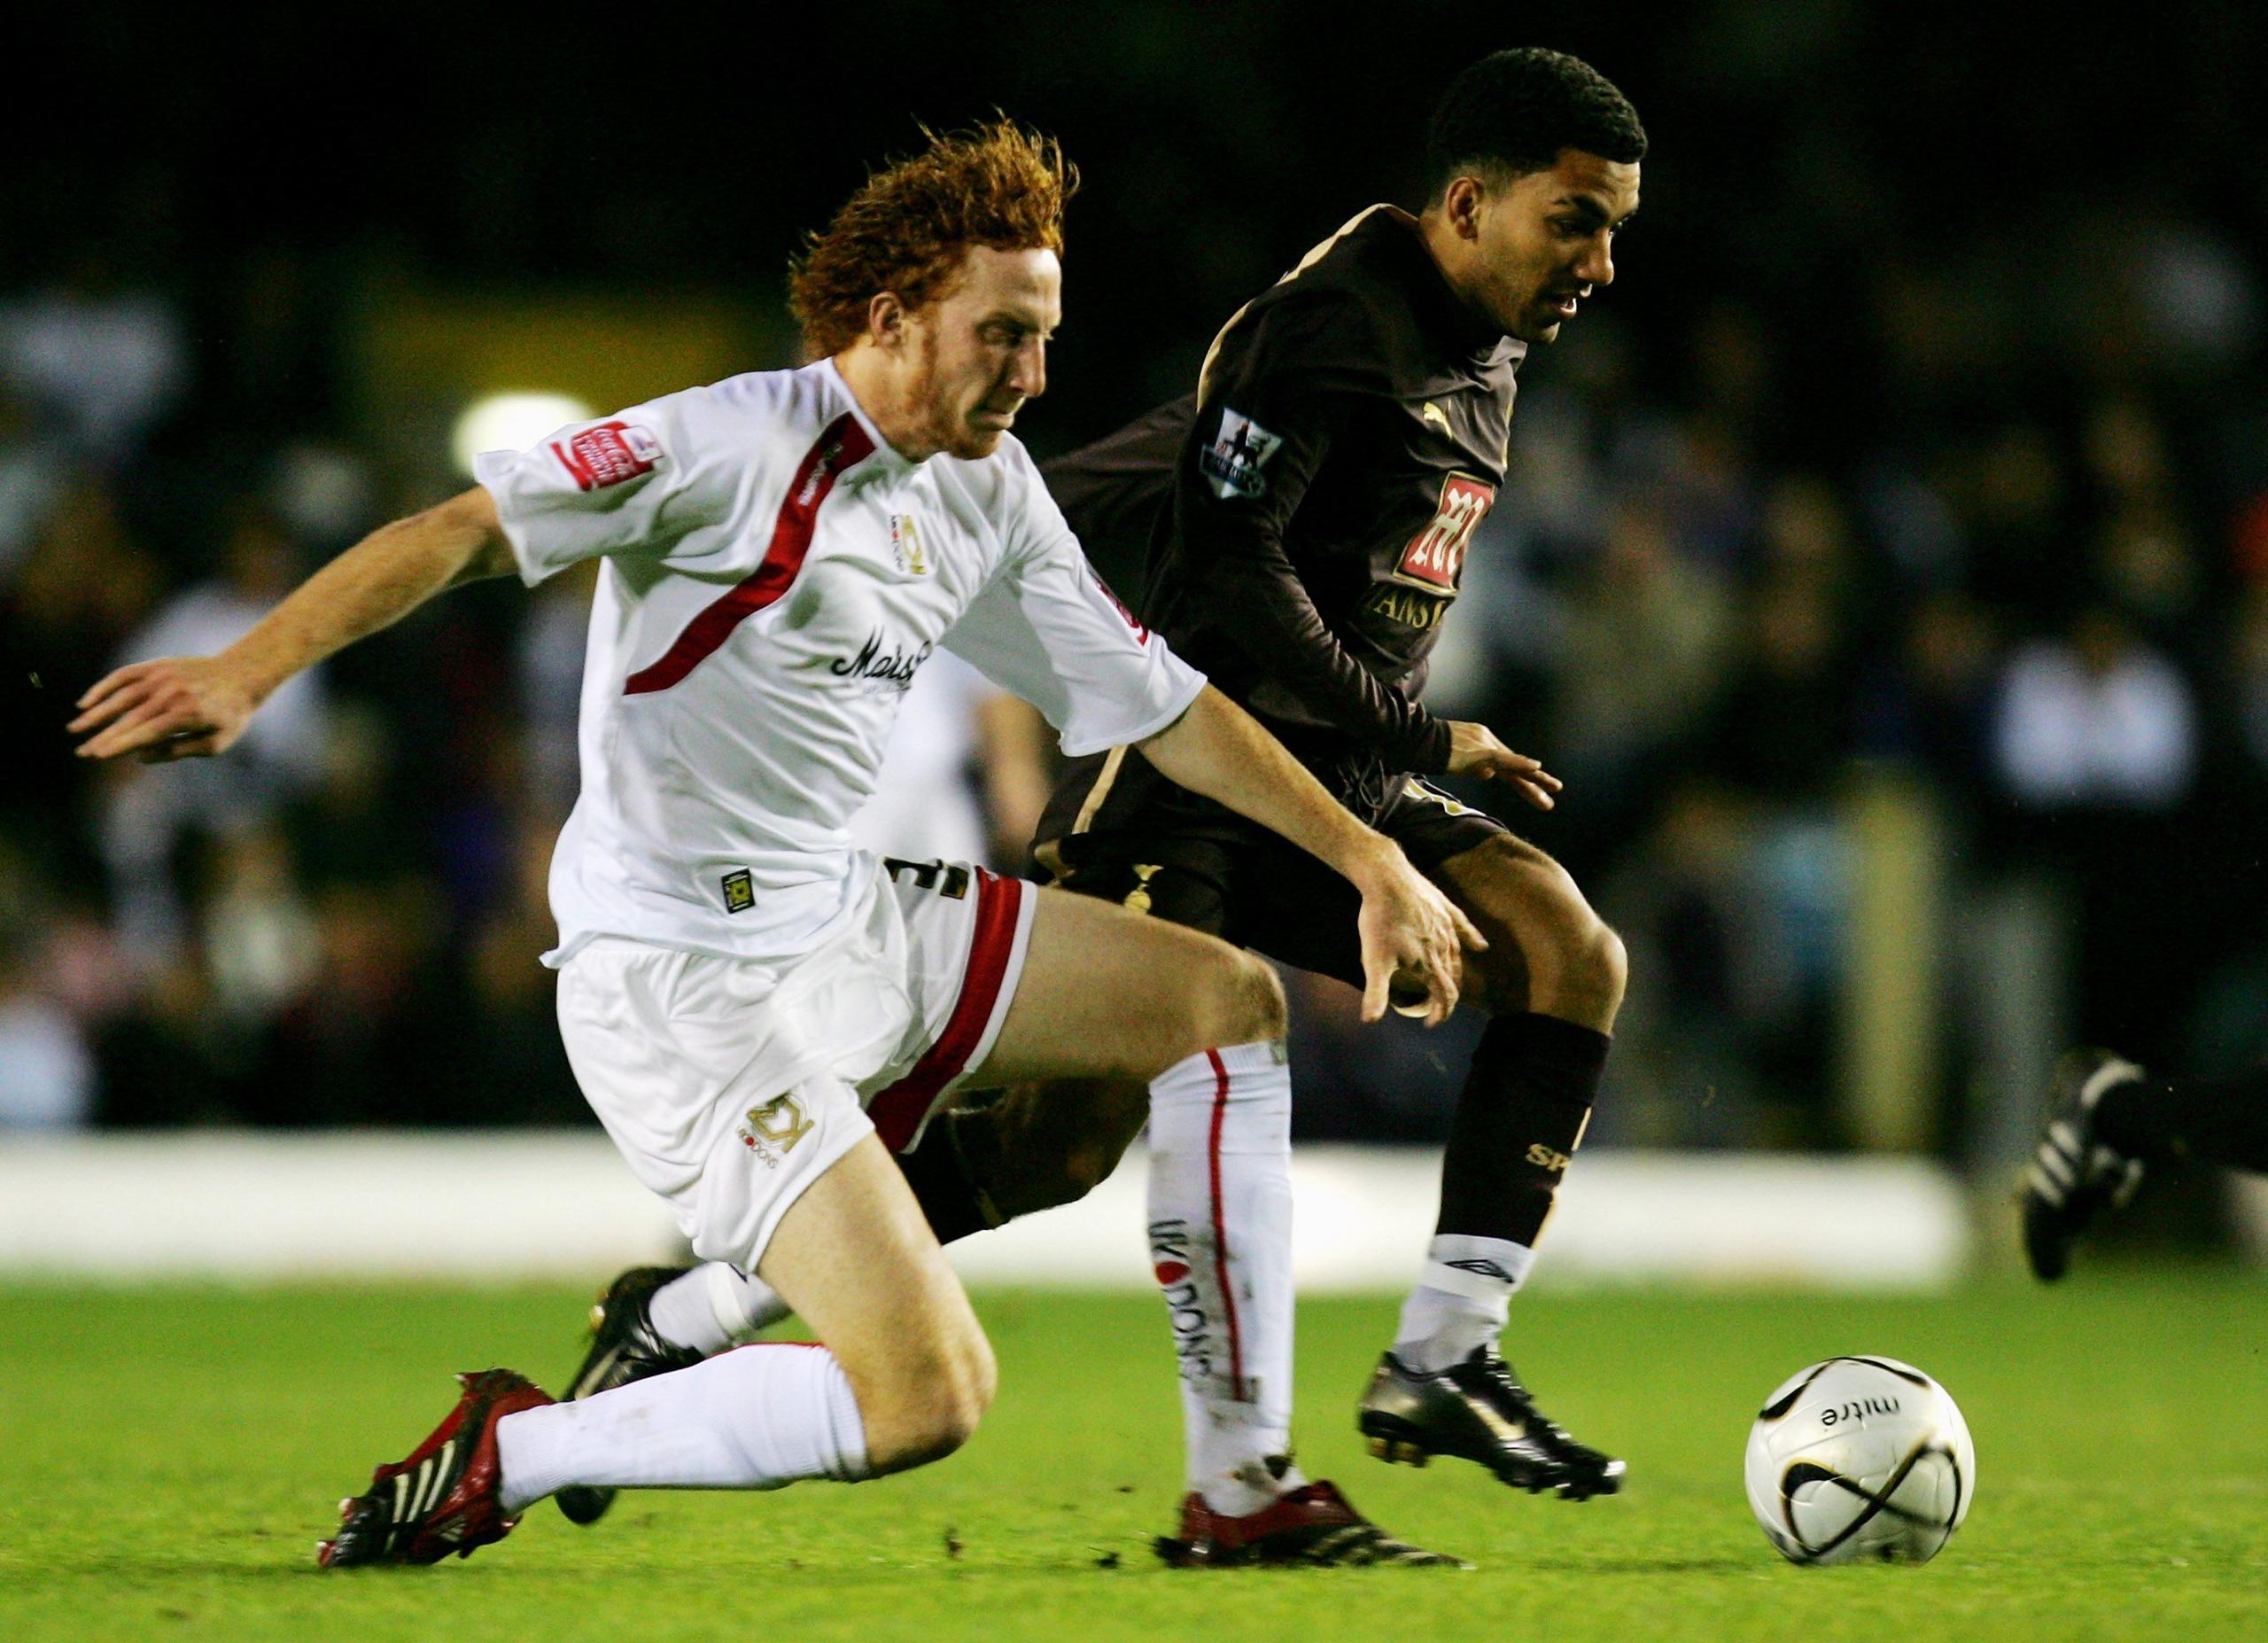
x=1859, y=1459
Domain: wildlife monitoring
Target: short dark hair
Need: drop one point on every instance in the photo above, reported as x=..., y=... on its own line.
x=1513, y=112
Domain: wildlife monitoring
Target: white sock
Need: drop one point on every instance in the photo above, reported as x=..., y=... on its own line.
x=757, y=1418
x=1220, y=1242
x=713, y=1305
x=1461, y=1301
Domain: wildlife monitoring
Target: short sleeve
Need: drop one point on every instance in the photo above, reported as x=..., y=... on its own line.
x=638, y=483
x=1047, y=629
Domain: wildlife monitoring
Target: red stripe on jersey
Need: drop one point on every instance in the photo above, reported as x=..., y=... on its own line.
x=898, y=1110
x=842, y=447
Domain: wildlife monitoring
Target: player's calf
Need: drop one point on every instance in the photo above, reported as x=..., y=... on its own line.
x=855, y=1260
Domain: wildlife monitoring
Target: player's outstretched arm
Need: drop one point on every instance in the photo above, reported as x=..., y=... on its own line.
x=194, y=706
x=1409, y=929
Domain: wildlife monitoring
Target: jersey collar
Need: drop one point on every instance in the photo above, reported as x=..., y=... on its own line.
x=1442, y=310
x=887, y=458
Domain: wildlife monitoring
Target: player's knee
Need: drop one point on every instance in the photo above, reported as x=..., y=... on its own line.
x=960, y=1396
x=1251, y=1008
x=1595, y=967
x=1085, y=1168
x=1229, y=997
x=1064, y=1177
x=930, y=1402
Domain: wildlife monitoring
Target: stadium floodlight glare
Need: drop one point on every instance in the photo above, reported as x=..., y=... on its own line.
x=511, y=422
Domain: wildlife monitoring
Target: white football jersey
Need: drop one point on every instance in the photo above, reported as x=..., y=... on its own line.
x=773, y=575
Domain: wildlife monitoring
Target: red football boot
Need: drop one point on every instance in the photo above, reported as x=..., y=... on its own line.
x=1312, y=1524
x=443, y=1498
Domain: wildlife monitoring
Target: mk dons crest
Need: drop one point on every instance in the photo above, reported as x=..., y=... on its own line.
x=905, y=545
x=772, y=1130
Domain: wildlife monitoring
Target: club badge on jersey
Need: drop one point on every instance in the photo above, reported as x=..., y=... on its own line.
x=906, y=546
x=1232, y=463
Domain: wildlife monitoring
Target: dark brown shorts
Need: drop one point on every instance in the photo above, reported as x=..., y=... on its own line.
x=1118, y=830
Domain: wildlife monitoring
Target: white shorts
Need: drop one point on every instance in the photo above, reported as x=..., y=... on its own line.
x=731, y=1085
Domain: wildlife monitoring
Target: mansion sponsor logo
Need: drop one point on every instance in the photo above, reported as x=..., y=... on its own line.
x=1406, y=605
x=894, y=665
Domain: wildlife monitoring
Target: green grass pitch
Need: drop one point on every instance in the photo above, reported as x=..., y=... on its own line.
x=168, y=1457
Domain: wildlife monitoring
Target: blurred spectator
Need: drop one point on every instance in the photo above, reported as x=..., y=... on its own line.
x=517, y=1066
x=1931, y=701
x=551, y=668
x=2095, y=720
x=260, y=939
x=2016, y=499
x=149, y=809
x=32, y=474
x=79, y=589
x=99, y=361
x=47, y=1078
x=1646, y=631
x=1785, y=721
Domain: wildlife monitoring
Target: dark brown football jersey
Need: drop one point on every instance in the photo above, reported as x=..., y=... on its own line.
x=1306, y=514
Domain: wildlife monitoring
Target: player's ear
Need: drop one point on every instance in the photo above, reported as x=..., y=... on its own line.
x=1461, y=205
x=886, y=318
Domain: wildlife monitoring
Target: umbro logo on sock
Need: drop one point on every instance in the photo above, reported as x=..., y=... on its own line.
x=1481, y=1268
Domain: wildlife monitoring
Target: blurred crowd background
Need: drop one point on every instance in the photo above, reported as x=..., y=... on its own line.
x=1885, y=563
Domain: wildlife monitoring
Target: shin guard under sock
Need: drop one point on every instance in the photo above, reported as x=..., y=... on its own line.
x=1518, y=1121
x=752, y=1419
x=1220, y=1242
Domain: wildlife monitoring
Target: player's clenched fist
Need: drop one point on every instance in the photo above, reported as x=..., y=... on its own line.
x=176, y=708
x=1413, y=938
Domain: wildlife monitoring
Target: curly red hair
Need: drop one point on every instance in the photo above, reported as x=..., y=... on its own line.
x=903, y=231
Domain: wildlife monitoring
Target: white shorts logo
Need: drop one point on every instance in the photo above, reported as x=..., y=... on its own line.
x=1232, y=463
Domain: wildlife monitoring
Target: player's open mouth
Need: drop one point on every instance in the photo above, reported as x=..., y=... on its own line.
x=1564, y=306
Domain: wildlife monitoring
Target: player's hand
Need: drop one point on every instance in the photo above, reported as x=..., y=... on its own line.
x=1414, y=940
x=176, y=708
x=1475, y=751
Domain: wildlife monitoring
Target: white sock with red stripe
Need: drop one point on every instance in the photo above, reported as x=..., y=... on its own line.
x=710, y=1307
x=1220, y=1242
x=758, y=1418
